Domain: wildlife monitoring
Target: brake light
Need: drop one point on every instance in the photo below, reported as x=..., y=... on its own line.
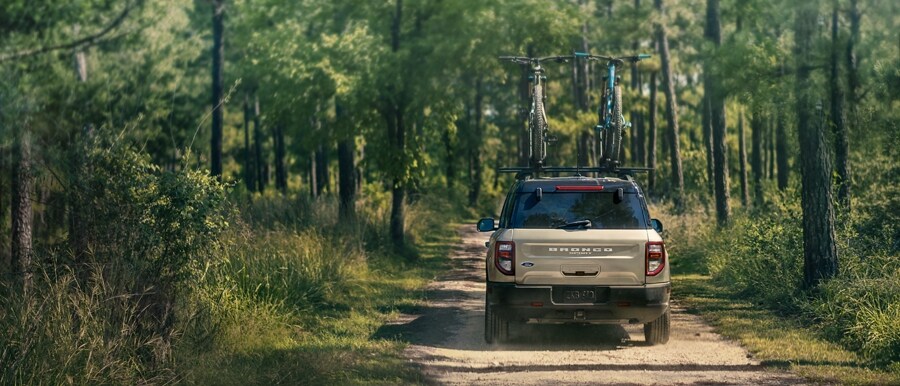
x=577, y=188
x=505, y=257
x=655, y=257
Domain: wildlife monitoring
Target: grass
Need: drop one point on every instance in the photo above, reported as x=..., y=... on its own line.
x=303, y=306
x=776, y=340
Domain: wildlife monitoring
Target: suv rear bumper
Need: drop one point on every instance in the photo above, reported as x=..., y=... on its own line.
x=534, y=304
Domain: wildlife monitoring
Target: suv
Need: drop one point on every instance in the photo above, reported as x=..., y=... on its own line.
x=576, y=250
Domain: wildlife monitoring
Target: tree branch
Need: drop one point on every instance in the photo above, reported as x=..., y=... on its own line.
x=88, y=40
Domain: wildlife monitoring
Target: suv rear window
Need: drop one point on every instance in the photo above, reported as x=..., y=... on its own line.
x=559, y=208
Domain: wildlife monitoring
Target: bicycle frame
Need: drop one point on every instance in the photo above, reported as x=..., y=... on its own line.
x=538, y=132
x=606, y=110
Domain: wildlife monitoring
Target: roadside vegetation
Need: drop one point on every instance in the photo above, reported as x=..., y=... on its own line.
x=746, y=278
x=255, y=289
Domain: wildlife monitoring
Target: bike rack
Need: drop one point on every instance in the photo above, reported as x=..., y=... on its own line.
x=523, y=173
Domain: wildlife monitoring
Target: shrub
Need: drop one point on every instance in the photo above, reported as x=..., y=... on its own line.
x=861, y=308
x=762, y=257
x=105, y=311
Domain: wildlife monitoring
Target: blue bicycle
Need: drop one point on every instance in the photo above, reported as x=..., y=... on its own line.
x=611, y=123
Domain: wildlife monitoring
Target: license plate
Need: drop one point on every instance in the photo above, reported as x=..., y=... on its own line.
x=579, y=296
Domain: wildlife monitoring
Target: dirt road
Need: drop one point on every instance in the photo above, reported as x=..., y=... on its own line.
x=447, y=343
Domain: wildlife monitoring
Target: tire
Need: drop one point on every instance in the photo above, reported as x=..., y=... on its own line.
x=657, y=331
x=538, y=127
x=496, y=328
x=613, y=142
x=601, y=134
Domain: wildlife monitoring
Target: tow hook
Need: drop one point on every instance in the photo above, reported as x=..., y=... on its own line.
x=579, y=315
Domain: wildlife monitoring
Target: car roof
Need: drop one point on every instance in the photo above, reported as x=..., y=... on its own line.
x=550, y=184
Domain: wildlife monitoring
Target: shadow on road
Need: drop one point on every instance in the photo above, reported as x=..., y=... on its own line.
x=449, y=309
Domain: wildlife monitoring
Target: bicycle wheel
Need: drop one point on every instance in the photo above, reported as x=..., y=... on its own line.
x=613, y=141
x=538, y=127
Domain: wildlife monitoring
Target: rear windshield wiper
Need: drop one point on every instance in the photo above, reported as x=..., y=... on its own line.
x=579, y=223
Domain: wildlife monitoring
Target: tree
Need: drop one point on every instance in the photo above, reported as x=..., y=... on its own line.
x=218, y=62
x=757, y=128
x=742, y=154
x=837, y=120
x=671, y=107
x=651, y=135
x=715, y=101
x=22, y=211
x=820, y=257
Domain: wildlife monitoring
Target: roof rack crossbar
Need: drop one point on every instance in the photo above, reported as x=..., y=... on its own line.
x=524, y=172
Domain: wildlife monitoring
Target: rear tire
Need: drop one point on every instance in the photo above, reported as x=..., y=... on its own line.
x=496, y=328
x=657, y=331
x=538, y=126
x=613, y=140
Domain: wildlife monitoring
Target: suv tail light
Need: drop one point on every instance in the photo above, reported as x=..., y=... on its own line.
x=505, y=257
x=655, y=257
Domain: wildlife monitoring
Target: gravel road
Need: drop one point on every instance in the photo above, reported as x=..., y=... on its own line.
x=447, y=343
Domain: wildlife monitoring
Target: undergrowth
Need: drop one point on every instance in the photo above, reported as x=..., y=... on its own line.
x=758, y=257
x=299, y=293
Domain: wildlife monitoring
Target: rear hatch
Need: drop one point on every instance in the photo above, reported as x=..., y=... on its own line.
x=580, y=257
x=579, y=235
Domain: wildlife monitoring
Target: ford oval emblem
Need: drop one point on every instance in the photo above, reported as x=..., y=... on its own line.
x=528, y=264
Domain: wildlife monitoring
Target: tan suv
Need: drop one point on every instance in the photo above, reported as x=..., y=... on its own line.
x=576, y=250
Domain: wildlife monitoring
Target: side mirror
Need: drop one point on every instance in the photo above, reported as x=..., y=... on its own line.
x=656, y=225
x=486, y=225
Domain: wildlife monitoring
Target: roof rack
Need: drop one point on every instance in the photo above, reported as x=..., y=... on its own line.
x=525, y=172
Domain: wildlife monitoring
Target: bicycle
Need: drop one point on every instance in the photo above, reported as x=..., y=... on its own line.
x=538, y=129
x=611, y=123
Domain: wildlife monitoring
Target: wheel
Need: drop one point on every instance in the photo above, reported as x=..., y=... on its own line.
x=613, y=142
x=657, y=331
x=496, y=328
x=538, y=128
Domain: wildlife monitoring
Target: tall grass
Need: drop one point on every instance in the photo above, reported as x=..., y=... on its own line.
x=71, y=332
x=297, y=283
x=759, y=256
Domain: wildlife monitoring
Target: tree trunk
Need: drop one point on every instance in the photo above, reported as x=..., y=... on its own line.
x=22, y=211
x=716, y=99
x=346, y=168
x=838, y=121
x=820, y=256
x=450, y=171
x=773, y=143
x=280, y=169
x=651, y=135
x=322, y=177
x=706, y=122
x=257, y=145
x=779, y=152
x=347, y=176
x=476, y=146
x=742, y=152
x=853, y=64
x=637, y=138
x=218, y=61
x=313, y=184
x=757, y=125
x=671, y=109
x=79, y=196
x=397, y=140
x=249, y=165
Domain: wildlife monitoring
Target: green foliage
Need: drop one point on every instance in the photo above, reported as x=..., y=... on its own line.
x=861, y=308
x=111, y=314
x=762, y=256
x=315, y=289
